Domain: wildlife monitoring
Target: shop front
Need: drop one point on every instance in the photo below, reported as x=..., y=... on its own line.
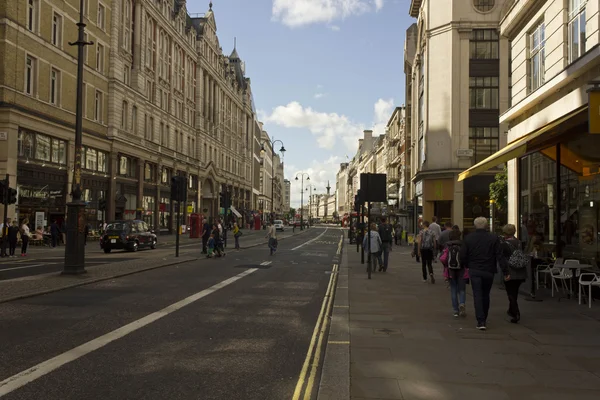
x=148, y=205
x=42, y=195
x=94, y=189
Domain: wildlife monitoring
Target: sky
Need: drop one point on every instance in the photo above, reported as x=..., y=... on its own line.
x=321, y=72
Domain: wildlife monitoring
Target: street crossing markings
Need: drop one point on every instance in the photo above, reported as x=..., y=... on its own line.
x=266, y=262
x=338, y=342
x=311, y=240
x=31, y=374
x=25, y=267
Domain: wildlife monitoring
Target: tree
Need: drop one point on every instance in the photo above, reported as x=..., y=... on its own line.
x=292, y=212
x=499, y=190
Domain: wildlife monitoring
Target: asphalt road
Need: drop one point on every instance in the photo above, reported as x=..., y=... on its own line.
x=244, y=333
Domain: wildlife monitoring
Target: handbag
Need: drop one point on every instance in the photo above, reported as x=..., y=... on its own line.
x=444, y=257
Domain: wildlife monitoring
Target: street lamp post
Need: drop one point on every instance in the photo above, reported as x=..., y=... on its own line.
x=75, y=246
x=310, y=189
x=262, y=152
x=302, y=197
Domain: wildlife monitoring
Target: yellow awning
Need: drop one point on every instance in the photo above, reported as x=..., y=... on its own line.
x=512, y=150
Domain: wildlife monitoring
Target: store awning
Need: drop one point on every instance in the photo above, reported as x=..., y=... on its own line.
x=514, y=149
x=236, y=212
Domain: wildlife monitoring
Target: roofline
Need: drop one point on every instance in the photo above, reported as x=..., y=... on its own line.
x=415, y=6
x=396, y=110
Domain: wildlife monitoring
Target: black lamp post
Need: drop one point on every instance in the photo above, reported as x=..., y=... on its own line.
x=310, y=189
x=262, y=153
x=75, y=246
x=302, y=197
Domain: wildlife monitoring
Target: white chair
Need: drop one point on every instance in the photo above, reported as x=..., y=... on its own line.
x=590, y=280
x=563, y=274
x=545, y=269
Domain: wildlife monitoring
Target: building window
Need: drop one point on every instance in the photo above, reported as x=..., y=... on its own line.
x=101, y=16
x=40, y=147
x=150, y=91
x=483, y=93
x=84, y=100
x=483, y=141
x=577, y=29
x=150, y=131
x=536, y=64
x=85, y=51
x=484, y=44
x=127, y=75
x=127, y=25
x=91, y=159
x=57, y=30
x=98, y=107
x=150, y=43
x=134, y=122
x=124, y=115
x=484, y=5
x=32, y=14
x=55, y=87
x=149, y=172
x=123, y=166
x=30, y=76
x=100, y=58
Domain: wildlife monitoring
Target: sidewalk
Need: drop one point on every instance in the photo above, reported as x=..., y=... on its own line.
x=41, y=284
x=405, y=343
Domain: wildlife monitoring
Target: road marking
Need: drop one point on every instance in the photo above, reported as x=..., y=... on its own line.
x=311, y=240
x=338, y=342
x=31, y=374
x=315, y=345
x=341, y=306
x=266, y=262
x=27, y=266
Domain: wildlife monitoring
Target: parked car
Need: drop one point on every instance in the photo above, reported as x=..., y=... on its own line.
x=278, y=225
x=128, y=235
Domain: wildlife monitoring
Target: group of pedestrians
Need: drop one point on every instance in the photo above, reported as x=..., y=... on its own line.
x=474, y=260
x=378, y=242
x=9, y=237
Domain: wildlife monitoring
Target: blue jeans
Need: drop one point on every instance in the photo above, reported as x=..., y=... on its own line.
x=376, y=259
x=482, y=285
x=457, y=289
x=386, y=247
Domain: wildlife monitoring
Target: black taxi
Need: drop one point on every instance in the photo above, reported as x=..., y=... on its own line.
x=127, y=235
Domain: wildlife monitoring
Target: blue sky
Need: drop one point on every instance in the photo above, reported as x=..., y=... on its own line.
x=321, y=72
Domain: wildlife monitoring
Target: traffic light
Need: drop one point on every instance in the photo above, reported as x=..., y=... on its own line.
x=2, y=191
x=178, y=188
x=102, y=204
x=12, y=196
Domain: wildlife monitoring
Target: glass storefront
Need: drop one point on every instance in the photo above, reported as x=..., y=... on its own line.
x=560, y=215
x=164, y=213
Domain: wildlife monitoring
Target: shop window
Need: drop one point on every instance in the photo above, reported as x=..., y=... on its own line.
x=123, y=166
x=577, y=29
x=536, y=69
x=101, y=161
x=25, y=144
x=91, y=159
x=149, y=172
x=484, y=44
x=484, y=141
x=42, y=148
x=483, y=92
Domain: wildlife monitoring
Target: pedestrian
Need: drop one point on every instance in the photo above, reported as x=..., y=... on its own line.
x=427, y=246
x=376, y=246
x=398, y=234
x=516, y=274
x=4, y=237
x=272, y=236
x=454, y=272
x=54, y=232
x=25, y=234
x=435, y=228
x=445, y=236
x=236, y=235
x=386, y=236
x=13, y=238
x=86, y=232
x=210, y=244
x=481, y=253
x=219, y=252
x=205, y=235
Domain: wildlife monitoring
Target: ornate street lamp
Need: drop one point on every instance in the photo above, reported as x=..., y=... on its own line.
x=262, y=155
x=302, y=196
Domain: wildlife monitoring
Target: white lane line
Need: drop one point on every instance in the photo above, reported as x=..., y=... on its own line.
x=31, y=374
x=266, y=262
x=27, y=266
x=311, y=240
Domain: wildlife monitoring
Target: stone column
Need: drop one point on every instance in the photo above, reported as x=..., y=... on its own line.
x=112, y=187
x=137, y=38
x=205, y=98
x=156, y=216
x=140, y=192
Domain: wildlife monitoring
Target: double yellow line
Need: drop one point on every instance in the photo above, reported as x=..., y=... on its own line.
x=306, y=381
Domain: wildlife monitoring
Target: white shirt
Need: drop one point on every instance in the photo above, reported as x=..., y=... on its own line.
x=435, y=228
x=25, y=229
x=273, y=232
x=220, y=229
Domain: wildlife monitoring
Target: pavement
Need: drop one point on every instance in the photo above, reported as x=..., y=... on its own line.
x=245, y=326
x=394, y=337
x=38, y=273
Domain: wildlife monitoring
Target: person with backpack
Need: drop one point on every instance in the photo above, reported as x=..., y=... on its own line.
x=455, y=273
x=516, y=272
x=387, y=236
x=376, y=245
x=426, y=251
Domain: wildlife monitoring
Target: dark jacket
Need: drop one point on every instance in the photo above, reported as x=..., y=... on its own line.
x=507, y=250
x=481, y=252
x=13, y=232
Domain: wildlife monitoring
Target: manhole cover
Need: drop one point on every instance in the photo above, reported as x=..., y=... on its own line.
x=259, y=266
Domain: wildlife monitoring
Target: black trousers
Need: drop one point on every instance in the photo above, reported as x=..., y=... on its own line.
x=512, y=291
x=426, y=260
x=204, y=244
x=12, y=245
x=24, y=243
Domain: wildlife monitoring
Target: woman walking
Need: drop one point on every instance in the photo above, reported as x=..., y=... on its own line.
x=376, y=246
x=25, y=234
x=427, y=246
x=517, y=270
x=455, y=273
x=272, y=235
x=236, y=235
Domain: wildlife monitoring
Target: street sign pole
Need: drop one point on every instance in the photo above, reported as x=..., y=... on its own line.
x=178, y=228
x=5, y=217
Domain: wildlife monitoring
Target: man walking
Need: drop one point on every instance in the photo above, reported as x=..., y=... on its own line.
x=435, y=228
x=481, y=252
x=4, y=236
x=445, y=236
x=398, y=234
x=385, y=233
x=427, y=245
x=205, y=235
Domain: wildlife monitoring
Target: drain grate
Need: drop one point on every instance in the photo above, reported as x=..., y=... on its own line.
x=259, y=266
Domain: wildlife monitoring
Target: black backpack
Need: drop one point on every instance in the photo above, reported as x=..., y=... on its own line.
x=385, y=233
x=453, y=251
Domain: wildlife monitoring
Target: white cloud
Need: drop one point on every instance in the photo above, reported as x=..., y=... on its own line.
x=329, y=128
x=297, y=13
x=320, y=174
x=334, y=28
x=319, y=95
